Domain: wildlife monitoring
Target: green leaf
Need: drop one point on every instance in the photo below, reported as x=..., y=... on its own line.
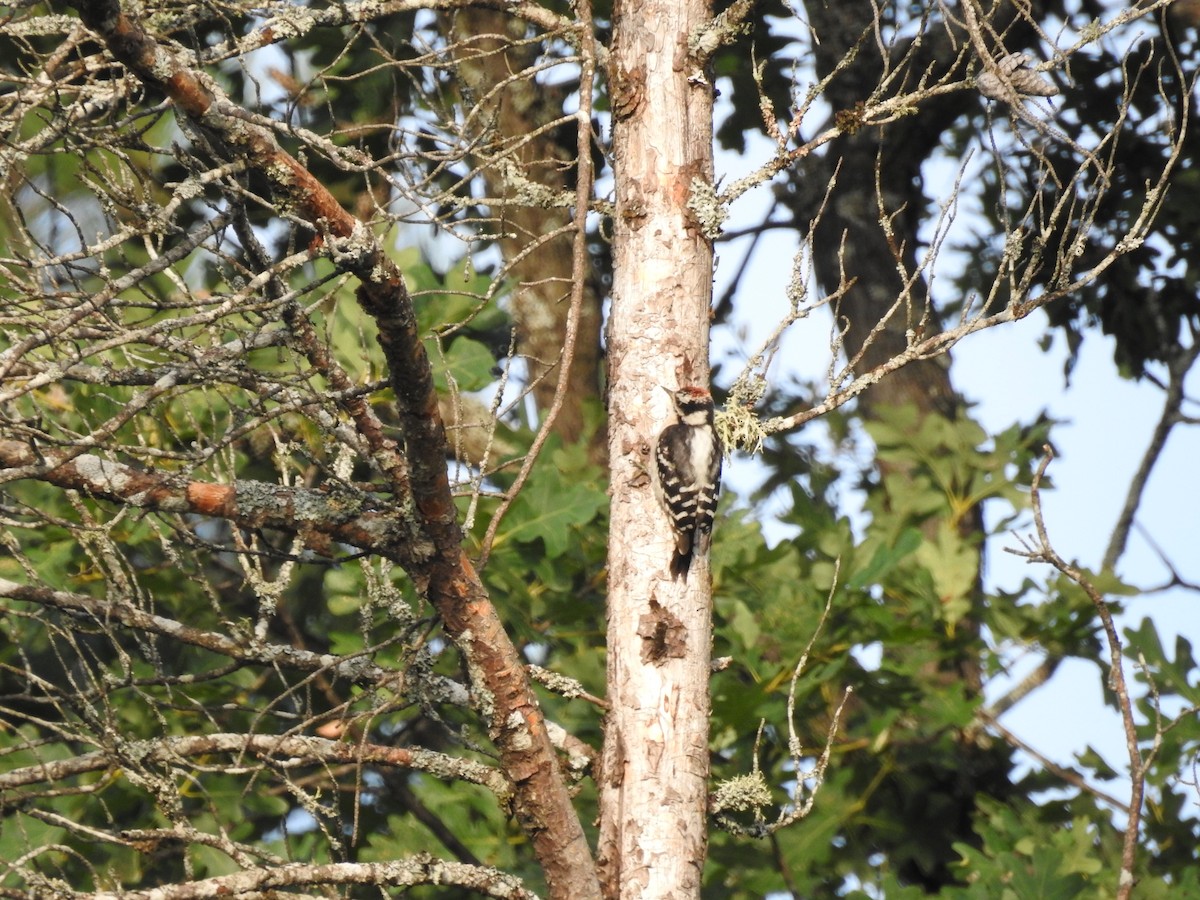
x=468, y=362
x=953, y=563
x=548, y=510
x=1176, y=675
x=1040, y=878
x=211, y=862
x=885, y=559
x=1092, y=759
x=741, y=621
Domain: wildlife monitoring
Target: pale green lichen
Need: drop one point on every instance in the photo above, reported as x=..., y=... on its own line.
x=741, y=793
x=737, y=423
x=707, y=208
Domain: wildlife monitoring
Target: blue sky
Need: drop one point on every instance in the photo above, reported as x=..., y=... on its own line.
x=1106, y=426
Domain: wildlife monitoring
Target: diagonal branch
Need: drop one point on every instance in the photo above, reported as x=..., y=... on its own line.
x=1178, y=370
x=541, y=802
x=1042, y=551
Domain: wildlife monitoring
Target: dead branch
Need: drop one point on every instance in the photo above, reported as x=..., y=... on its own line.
x=1042, y=551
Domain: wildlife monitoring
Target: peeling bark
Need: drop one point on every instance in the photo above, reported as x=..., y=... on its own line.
x=654, y=775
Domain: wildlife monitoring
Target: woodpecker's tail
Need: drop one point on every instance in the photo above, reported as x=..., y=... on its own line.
x=681, y=559
x=680, y=564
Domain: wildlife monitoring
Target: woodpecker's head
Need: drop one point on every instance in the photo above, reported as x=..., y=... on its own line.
x=694, y=404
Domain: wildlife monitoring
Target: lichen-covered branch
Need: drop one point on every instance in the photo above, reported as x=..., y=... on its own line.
x=289, y=750
x=443, y=574
x=268, y=880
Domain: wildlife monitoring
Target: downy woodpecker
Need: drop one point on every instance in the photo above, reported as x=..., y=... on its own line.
x=687, y=475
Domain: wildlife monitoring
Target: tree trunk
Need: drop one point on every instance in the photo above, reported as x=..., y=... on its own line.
x=654, y=778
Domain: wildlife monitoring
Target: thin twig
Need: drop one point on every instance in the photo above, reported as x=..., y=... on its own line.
x=579, y=270
x=1044, y=552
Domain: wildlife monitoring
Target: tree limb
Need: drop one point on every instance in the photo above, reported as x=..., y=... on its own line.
x=423, y=869
x=292, y=751
x=1178, y=370
x=344, y=515
x=1042, y=551
x=516, y=725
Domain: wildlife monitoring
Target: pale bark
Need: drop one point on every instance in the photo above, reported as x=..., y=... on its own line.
x=654, y=777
